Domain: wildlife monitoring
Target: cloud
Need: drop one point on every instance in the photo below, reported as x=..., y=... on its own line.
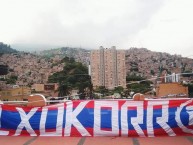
x=92, y=23
x=170, y=30
x=157, y=25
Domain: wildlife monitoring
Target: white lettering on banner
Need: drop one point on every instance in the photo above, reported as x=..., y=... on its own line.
x=189, y=110
x=1, y=131
x=135, y=121
x=59, y=124
x=162, y=121
x=71, y=119
x=114, y=118
x=25, y=121
x=190, y=113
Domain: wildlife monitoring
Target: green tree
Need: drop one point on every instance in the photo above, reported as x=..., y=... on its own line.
x=138, y=84
x=126, y=93
x=63, y=89
x=3, y=69
x=187, y=73
x=190, y=89
x=102, y=90
x=152, y=72
x=134, y=77
x=74, y=75
x=118, y=89
x=11, y=80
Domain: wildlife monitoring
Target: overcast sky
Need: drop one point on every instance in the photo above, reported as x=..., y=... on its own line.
x=158, y=25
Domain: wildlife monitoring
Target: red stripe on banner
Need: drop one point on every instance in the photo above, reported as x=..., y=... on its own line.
x=146, y=104
x=177, y=130
x=172, y=103
x=90, y=105
x=55, y=107
x=177, y=103
x=76, y=133
x=12, y=108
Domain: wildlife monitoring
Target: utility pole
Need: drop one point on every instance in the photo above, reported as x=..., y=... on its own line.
x=22, y=91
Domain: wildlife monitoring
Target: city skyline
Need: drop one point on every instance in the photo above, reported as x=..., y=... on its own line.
x=162, y=26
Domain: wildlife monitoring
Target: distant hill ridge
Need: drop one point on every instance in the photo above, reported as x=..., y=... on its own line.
x=63, y=51
x=144, y=62
x=4, y=48
x=79, y=54
x=139, y=61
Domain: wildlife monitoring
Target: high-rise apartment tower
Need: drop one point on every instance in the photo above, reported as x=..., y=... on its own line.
x=108, y=67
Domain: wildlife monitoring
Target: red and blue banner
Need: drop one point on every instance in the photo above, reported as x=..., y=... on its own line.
x=147, y=118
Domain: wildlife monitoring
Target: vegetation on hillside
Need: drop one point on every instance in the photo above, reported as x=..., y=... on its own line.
x=11, y=80
x=139, y=61
x=73, y=76
x=4, y=48
x=138, y=84
x=63, y=52
x=190, y=89
x=187, y=73
x=3, y=69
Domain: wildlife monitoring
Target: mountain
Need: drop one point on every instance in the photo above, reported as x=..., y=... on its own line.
x=79, y=54
x=4, y=48
x=31, y=47
x=143, y=62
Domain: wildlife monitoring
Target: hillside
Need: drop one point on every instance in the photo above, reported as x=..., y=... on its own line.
x=4, y=48
x=80, y=55
x=139, y=61
x=147, y=63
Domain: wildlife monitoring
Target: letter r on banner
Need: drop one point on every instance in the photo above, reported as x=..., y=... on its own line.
x=162, y=121
x=135, y=121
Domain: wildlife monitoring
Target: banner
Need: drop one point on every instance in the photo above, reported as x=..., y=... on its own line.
x=147, y=118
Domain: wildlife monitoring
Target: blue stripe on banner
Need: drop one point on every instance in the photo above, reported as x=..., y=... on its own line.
x=86, y=117
x=11, y=120
x=52, y=119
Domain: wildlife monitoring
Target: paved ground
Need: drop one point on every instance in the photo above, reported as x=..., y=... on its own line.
x=182, y=140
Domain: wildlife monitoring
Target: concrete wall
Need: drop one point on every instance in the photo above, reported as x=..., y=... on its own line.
x=171, y=90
